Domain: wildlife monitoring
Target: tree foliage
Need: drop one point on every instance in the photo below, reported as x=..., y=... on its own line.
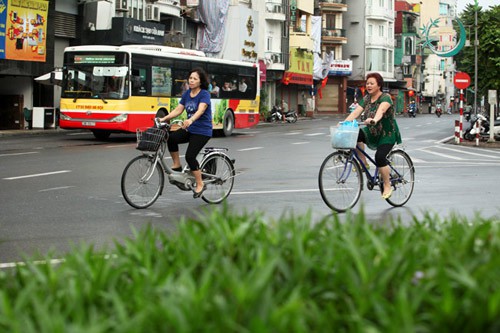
x=488, y=52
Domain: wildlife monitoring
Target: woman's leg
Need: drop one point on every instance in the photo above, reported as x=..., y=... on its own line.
x=176, y=137
x=361, y=144
x=196, y=143
x=383, y=167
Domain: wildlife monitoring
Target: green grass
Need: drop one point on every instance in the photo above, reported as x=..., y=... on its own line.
x=236, y=273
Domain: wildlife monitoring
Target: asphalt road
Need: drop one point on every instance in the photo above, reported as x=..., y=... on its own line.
x=61, y=189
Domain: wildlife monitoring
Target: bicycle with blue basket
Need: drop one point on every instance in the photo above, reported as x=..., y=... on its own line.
x=341, y=173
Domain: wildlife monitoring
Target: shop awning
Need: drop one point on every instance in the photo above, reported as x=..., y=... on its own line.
x=51, y=78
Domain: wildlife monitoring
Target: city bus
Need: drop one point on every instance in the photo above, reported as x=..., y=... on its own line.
x=117, y=89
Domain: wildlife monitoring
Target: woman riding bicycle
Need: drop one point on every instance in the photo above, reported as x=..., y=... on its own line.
x=382, y=131
x=196, y=129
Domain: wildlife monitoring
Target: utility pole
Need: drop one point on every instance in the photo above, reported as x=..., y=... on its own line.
x=476, y=43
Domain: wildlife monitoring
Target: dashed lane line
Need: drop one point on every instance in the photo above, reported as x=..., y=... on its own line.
x=38, y=175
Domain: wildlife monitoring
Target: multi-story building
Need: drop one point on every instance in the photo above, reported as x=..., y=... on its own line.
x=333, y=38
x=274, y=33
x=370, y=30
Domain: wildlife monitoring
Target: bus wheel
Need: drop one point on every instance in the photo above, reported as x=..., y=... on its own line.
x=161, y=113
x=228, y=124
x=101, y=135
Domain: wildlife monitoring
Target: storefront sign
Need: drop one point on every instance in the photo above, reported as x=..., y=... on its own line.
x=134, y=31
x=301, y=68
x=23, y=29
x=340, y=68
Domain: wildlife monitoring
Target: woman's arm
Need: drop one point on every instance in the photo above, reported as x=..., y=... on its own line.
x=355, y=114
x=382, y=108
x=174, y=113
x=201, y=110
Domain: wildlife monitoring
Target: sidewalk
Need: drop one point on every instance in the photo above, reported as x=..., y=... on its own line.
x=37, y=131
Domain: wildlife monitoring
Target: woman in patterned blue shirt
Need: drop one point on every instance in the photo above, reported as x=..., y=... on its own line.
x=196, y=129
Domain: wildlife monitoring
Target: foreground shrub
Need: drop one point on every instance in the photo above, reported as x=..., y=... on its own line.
x=237, y=273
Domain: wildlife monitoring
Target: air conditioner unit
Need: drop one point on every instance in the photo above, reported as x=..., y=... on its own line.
x=179, y=25
x=152, y=13
x=121, y=5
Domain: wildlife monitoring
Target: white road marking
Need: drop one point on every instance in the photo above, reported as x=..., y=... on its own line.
x=466, y=152
x=315, y=134
x=38, y=175
x=252, y=148
x=300, y=143
x=294, y=133
x=56, y=188
x=442, y=155
x=17, y=154
x=274, y=192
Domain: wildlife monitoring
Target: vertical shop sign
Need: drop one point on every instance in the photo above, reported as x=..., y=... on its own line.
x=293, y=12
x=24, y=27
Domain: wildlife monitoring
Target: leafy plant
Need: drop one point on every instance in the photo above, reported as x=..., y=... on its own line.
x=228, y=272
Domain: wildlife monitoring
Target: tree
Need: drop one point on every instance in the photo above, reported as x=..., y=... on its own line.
x=488, y=53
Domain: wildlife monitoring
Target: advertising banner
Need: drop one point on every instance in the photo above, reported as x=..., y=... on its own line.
x=301, y=68
x=23, y=29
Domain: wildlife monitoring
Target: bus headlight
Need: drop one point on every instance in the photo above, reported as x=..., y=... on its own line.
x=62, y=116
x=120, y=118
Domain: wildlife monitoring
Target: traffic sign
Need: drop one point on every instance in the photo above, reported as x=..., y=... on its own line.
x=461, y=80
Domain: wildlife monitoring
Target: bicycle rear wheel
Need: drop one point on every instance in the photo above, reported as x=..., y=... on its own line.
x=142, y=181
x=218, y=176
x=340, y=181
x=402, y=177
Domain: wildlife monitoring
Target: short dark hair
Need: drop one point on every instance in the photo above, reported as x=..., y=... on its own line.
x=377, y=77
x=203, y=77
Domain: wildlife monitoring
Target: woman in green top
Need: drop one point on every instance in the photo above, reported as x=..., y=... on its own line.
x=381, y=131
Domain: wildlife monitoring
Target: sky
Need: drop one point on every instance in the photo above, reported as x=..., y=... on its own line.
x=461, y=4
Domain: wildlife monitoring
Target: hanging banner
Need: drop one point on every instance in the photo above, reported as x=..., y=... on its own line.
x=23, y=29
x=301, y=68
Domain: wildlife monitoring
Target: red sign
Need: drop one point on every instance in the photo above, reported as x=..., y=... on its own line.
x=461, y=80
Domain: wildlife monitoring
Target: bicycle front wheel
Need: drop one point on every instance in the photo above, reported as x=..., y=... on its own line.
x=142, y=181
x=340, y=181
x=218, y=176
x=402, y=177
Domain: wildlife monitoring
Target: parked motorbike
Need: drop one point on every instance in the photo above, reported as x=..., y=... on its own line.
x=439, y=110
x=480, y=124
x=277, y=115
x=412, y=110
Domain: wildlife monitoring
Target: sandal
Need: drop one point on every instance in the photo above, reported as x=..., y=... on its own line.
x=198, y=194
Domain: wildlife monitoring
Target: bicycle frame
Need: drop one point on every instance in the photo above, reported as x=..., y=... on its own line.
x=372, y=179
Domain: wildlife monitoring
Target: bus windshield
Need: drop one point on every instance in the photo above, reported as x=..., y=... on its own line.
x=97, y=82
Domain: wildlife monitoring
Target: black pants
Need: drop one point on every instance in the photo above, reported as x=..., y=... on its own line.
x=382, y=151
x=196, y=143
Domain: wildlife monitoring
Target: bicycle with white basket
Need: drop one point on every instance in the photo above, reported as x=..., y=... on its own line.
x=341, y=173
x=143, y=178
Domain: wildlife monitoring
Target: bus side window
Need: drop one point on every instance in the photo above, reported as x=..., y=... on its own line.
x=138, y=83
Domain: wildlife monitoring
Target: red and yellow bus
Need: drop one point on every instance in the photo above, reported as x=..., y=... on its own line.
x=116, y=89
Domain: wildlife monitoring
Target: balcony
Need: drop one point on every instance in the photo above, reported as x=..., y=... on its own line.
x=333, y=5
x=333, y=36
x=379, y=13
x=380, y=41
x=275, y=10
x=299, y=39
x=169, y=7
x=274, y=60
